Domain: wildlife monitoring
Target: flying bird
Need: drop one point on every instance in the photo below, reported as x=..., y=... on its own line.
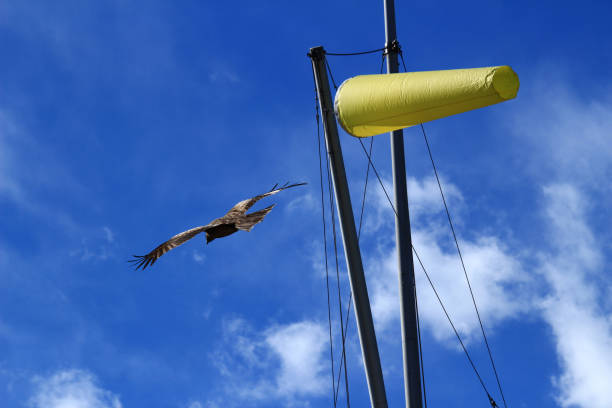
x=236, y=219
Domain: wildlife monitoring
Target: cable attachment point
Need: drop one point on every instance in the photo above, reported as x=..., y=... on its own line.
x=393, y=48
x=492, y=401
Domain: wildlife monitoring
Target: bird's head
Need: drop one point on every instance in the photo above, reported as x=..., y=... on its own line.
x=209, y=237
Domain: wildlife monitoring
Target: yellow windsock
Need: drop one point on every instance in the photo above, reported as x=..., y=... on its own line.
x=368, y=105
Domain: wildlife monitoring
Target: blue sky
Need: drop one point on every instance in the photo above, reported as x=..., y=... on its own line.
x=123, y=123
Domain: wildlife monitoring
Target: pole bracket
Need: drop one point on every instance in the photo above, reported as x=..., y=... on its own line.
x=393, y=48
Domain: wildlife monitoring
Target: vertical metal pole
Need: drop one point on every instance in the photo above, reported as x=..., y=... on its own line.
x=410, y=339
x=363, y=314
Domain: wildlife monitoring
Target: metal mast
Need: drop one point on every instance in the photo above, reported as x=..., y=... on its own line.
x=363, y=314
x=410, y=338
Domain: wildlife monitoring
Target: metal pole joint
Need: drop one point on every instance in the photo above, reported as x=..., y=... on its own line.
x=394, y=48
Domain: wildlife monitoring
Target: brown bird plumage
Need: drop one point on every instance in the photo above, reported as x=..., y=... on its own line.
x=236, y=219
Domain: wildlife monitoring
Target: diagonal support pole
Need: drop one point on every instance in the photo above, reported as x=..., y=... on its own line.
x=363, y=314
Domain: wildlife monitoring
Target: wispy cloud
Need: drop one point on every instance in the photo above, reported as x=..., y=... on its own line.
x=32, y=179
x=71, y=389
x=574, y=308
x=9, y=185
x=303, y=203
x=568, y=138
x=572, y=264
x=565, y=136
x=29, y=171
x=424, y=198
x=282, y=363
x=110, y=237
x=222, y=74
x=496, y=275
x=95, y=245
x=198, y=257
x=300, y=347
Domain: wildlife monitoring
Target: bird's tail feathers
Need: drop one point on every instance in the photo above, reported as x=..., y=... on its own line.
x=247, y=222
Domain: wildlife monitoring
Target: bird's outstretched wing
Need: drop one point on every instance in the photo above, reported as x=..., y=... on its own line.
x=142, y=261
x=243, y=206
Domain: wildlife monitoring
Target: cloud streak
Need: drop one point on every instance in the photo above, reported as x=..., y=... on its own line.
x=574, y=309
x=568, y=138
x=72, y=389
x=571, y=264
x=571, y=148
x=497, y=277
x=281, y=363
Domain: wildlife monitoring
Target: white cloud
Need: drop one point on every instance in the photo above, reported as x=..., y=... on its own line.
x=574, y=306
x=95, y=246
x=220, y=72
x=30, y=171
x=198, y=257
x=10, y=186
x=571, y=262
x=496, y=276
x=425, y=196
x=497, y=280
x=303, y=203
x=300, y=347
x=110, y=237
x=72, y=389
x=569, y=148
x=281, y=363
x=566, y=137
x=574, y=309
